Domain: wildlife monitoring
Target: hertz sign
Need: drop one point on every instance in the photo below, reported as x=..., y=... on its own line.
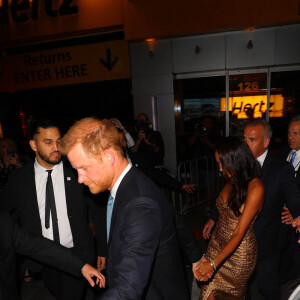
x=239, y=105
x=21, y=11
x=27, y=19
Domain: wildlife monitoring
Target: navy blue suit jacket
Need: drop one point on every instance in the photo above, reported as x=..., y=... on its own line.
x=144, y=259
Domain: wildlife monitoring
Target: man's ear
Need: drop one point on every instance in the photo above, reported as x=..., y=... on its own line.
x=266, y=142
x=109, y=156
x=32, y=144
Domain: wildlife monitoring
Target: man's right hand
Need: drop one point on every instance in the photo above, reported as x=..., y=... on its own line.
x=89, y=272
x=286, y=216
x=208, y=228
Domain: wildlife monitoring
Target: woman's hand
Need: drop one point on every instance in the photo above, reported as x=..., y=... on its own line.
x=200, y=270
x=205, y=269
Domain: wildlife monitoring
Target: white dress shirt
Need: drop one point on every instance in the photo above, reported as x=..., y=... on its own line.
x=296, y=162
x=41, y=176
x=113, y=191
x=262, y=158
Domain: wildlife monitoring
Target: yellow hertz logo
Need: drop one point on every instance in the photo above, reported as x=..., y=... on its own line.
x=238, y=105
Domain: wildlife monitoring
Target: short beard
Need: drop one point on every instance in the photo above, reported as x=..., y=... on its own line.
x=48, y=160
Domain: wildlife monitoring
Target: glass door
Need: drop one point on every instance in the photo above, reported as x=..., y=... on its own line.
x=248, y=100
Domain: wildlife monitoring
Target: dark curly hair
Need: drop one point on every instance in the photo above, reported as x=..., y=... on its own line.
x=237, y=161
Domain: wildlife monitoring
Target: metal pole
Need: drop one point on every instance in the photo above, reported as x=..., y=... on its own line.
x=227, y=105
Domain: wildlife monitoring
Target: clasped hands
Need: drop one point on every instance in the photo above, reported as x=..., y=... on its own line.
x=202, y=269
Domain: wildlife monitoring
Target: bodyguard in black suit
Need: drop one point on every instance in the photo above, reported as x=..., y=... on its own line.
x=13, y=240
x=143, y=258
x=280, y=189
x=25, y=193
x=291, y=254
x=292, y=152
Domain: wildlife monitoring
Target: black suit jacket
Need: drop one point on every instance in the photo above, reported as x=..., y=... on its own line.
x=13, y=240
x=283, y=154
x=280, y=188
x=143, y=259
x=20, y=196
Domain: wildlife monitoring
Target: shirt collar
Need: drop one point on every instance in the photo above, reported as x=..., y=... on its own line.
x=292, y=151
x=262, y=158
x=40, y=169
x=113, y=191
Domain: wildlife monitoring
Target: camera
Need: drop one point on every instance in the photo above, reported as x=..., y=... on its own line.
x=201, y=129
x=142, y=125
x=11, y=153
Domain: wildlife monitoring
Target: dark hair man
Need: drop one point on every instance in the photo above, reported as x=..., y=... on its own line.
x=280, y=189
x=143, y=258
x=48, y=201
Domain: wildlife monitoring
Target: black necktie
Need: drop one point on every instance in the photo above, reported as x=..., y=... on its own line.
x=50, y=206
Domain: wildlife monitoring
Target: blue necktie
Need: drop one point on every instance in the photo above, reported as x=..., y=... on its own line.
x=110, y=206
x=293, y=157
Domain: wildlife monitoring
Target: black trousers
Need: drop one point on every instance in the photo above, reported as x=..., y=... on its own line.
x=268, y=277
x=64, y=286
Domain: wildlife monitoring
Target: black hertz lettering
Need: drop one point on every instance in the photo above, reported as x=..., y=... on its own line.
x=41, y=59
x=242, y=108
x=21, y=10
x=239, y=109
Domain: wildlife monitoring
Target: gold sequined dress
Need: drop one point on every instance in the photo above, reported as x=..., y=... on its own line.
x=230, y=279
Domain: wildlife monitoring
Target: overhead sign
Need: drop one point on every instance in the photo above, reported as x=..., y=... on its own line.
x=239, y=105
x=30, y=19
x=70, y=65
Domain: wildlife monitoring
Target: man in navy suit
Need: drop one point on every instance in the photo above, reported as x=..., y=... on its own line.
x=25, y=194
x=143, y=255
x=280, y=189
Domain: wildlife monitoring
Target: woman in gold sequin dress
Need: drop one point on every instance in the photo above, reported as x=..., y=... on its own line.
x=231, y=252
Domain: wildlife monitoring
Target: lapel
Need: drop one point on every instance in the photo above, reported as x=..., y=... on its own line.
x=28, y=182
x=120, y=200
x=266, y=166
x=69, y=178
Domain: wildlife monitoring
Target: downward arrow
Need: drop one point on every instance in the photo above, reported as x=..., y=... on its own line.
x=108, y=63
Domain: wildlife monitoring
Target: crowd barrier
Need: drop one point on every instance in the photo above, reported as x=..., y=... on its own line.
x=203, y=172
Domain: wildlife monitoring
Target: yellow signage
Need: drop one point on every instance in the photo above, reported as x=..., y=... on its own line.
x=239, y=105
x=32, y=19
x=71, y=65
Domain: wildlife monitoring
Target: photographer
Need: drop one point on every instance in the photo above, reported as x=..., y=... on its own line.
x=204, y=137
x=9, y=159
x=202, y=147
x=149, y=143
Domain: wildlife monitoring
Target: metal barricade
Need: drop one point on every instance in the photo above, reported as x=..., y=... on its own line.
x=204, y=173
